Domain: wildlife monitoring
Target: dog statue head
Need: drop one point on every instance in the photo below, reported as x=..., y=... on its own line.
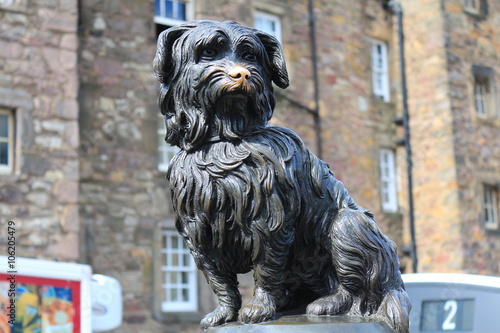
x=216, y=81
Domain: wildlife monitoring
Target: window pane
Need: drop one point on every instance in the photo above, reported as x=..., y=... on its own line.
x=163, y=242
x=4, y=153
x=157, y=8
x=268, y=23
x=4, y=126
x=187, y=260
x=185, y=294
x=175, y=242
x=169, y=9
x=181, y=11
x=482, y=94
x=173, y=295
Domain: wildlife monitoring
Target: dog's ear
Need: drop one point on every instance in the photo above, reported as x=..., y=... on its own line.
x=163, y=64
x=275, y=53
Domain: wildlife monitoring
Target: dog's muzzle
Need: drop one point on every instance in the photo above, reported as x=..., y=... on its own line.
x=239, y=75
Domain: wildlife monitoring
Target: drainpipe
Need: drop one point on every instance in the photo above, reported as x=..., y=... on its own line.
x=314, y=62
x=397, y=10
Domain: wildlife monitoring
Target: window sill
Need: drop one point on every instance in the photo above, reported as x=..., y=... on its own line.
x=180, y=317
x=7, y=174
x=379, y=99
x=492, y=231
x=15, y=8
x=488, y=120
x=395, y=214
x=168, y=21
x=475, y=15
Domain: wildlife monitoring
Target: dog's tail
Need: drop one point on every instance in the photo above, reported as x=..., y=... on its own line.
x=395, y=309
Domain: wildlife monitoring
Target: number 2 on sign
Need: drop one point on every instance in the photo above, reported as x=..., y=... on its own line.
x=449, y=323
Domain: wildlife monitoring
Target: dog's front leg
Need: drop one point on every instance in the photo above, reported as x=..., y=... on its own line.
x=225, y=286
x=269, y=294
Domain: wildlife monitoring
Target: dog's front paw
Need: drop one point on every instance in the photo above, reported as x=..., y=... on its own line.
x=222, y=314
x=336, y=304
x=260, y=309
x=255, y=312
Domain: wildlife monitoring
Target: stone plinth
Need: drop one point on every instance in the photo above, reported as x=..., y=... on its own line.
x=303, y=323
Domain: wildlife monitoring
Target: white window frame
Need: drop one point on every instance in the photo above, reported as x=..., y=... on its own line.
x=388, y=179
x=171, y=21
x=9, y=167
x=484, y=96
x=490, y=206
x=168, y=268
x=380, y=70
x=165, y=151
x=259, y=15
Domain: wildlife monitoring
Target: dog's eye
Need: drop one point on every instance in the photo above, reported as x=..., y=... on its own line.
x=250, y=57
x=208, y=53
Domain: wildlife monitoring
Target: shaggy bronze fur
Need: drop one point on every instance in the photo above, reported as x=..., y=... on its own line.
x=251, y=196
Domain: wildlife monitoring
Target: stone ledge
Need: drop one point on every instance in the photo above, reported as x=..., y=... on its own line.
x=303, y=323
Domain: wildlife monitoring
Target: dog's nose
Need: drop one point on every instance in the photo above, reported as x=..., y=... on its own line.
x=239, y=74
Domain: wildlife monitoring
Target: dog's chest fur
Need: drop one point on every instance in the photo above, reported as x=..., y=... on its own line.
x=230, y=197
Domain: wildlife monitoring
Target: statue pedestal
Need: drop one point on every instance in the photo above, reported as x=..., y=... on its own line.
x=306, y=324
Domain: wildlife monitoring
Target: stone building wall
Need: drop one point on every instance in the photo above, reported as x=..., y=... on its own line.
x=437, y=206
x=473, y=40
x=455, y=151
x=124, y=199
x=39, y=86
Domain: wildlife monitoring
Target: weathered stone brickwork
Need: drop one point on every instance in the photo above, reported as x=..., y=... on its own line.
x=39, y=86
x=456, y=151
x=437, y=210
x=473, y=40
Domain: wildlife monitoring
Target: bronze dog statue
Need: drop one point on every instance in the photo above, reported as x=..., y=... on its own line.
x=248, y=195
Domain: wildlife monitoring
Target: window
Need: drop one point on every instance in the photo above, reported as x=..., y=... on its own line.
x=165, y=151
x=477, y=7
x=171, y=13
x=484, y=96
x=16, y=5
x=490, y=207
x=388, y=188
x=268, y=23
x=180, y=275
x=6, y=141
x=380, y=72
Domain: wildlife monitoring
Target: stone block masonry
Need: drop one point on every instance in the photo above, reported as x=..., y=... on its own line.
x=38, y=85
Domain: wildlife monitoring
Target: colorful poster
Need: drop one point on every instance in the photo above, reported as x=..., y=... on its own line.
x=41, y=306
